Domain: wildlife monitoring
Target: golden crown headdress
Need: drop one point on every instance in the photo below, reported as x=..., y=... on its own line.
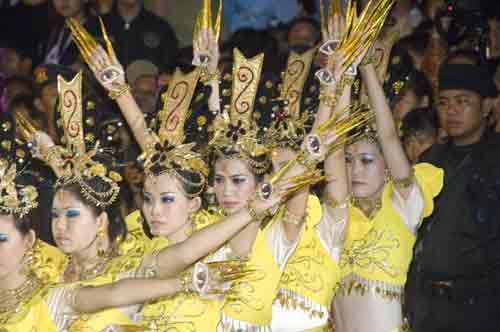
x=299, y=97
x=360, y=31
x=73, y=162
x=168, y=151
x=235, y=131
x=165, y=151
x=15, y=198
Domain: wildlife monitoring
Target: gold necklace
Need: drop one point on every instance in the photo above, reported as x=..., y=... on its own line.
x=369, y=206
x=73, y=272
x=11, y=300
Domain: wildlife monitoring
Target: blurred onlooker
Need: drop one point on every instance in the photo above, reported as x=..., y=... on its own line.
x=142, y=76
x=406, y=16
x=140, y=34
x=405, y=87
x=25, y=104
x=15, y=86
x=303, y=34
x=420, y=132
x=462, y=57
x=259, y=14
x=14, y=61
x=494, y=31
x=58, y=46
x=415, y=44
x=101, y=7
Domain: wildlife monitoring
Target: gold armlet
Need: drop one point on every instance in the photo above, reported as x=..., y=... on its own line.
x=290, y=218
x=308, y=163
x=404, y=183
x=115, y=94
x=367, y=60
x=328, y=100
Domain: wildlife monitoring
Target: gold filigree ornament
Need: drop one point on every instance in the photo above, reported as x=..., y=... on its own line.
x=358, y=35
x=293, y=120
x=203, y=24
x=73, y=163
x=15, y=200
x=235, y=134
x=165, y=150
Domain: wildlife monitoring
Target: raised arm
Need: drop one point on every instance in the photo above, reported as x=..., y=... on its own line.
x=394, y=155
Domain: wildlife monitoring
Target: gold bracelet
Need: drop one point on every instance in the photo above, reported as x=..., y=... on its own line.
x=118, y=93
x=330, y=101
x=186, y=280
x=406, y=182
x=367, y=60
x=52, y=153
x=309, y=164
x=290, y=218
x=207, y=76
x=256, y=216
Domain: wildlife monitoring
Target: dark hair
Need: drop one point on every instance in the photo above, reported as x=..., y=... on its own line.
x=189, y=180
x=309, y=21
x=420, y=120
x=117, y=229
x=416, y=42
x=471, y=56
x=26, y=81
x=420, y=85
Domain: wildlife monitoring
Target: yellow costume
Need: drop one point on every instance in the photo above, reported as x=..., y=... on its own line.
x=31, y=313
x=377, y=253
x=309, y=280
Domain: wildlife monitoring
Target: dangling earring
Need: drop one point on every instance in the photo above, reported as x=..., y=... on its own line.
x=387, y=175
x=191, y=224
x=100, y=245
x=27, y=261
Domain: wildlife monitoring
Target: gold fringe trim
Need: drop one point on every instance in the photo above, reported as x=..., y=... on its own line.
x=291, y=300
x=361, y=286
x=228, y=324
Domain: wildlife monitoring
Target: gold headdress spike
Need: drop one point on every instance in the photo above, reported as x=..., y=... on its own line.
x=360, y=32
x=334, y=8
x=26, y=127
x=204, y=22
x=234, y=129
x=75, y=164
x=168, y=149
x=293, y=119
x=15, y=199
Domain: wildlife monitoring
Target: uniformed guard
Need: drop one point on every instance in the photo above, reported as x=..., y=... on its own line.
x=454, y=280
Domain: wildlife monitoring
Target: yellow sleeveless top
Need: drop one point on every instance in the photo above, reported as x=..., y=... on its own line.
x=31, y=313
x=310, y=272
x=377, y=251
x=182, y=312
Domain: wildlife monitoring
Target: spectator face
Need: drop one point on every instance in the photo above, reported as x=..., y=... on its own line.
x=366, y=169
x=68, y=8
x=47, y=100
x=416, y=144
x=129, y=2
x=144, y=91
x=464, y=116
x=404, y=104
x=303, y=34
x=11, y=63
x=14, y=89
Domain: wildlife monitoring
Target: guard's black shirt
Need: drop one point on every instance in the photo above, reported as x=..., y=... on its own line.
x=146, y=37
x=461, y=239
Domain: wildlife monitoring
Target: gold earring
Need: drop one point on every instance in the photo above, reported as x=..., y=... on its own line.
x=192, y=224
x=387, y=175
x=27, y=261
x=100, y=245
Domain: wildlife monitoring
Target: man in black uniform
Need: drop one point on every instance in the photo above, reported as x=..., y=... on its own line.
x=454, y=279
x=141, y=35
